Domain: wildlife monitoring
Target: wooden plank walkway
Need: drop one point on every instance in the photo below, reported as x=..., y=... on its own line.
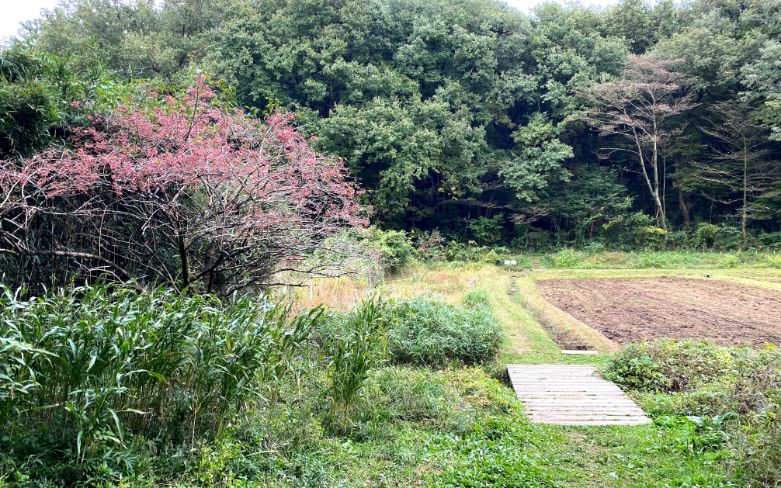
x=572, y=395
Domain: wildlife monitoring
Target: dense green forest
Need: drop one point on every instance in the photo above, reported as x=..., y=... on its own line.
x=565, y=126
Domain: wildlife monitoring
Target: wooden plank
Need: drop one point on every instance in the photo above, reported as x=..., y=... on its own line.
x=572, y=395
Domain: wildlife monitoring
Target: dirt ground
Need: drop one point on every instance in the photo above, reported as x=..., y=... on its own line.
x=627, y=310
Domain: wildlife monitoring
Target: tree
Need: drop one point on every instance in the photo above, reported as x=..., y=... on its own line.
x=539, y=162
x=184, y=193
x=762, y=78
x=640, y=109
x=592, y=200
x=740, y=160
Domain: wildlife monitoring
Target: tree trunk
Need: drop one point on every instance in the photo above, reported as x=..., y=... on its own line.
x=653, y=187
x=184, y=262
x=684, y=209
x=744, y=210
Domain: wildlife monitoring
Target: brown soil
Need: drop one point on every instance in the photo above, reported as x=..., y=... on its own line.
x=627, y=310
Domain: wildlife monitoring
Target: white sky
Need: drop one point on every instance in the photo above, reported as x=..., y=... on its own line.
x=13, y=12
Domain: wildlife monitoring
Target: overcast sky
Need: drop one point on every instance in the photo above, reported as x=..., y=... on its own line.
x=12, y=12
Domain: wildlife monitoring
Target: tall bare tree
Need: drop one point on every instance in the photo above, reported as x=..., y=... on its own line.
x=641, y=109
x=739, y=162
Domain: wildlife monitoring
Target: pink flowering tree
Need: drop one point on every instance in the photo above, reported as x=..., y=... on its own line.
x=184, y=193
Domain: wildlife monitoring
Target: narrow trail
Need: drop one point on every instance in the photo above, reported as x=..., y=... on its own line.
x=580, y=455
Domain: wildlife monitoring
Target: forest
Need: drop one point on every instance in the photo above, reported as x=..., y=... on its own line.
x=625, y=126
x=368, y=243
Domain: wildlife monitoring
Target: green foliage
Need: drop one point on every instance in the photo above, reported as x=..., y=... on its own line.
x=705, y=236
x=667, y=365
x=695, y=435
x=431, y=332
x=722, y=401
x=394, y=246
x=539, y=163
x=757, y=459
x=593, y=203
x=488, y=456
x=487, y=230
x=595, y=257
x=771, y=240
x=566, y=258
x=449, y=114
x=41, y=95
x=85, y=371
x=358, y=347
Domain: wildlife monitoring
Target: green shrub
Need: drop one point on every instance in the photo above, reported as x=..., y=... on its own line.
x=462, y=252
x=394, y=246
x=723, y=400
x=666, y=365
x=413, y=395
x=430, y=246
x=487, y=231
x=710, y=236
x=82, y=372
x=431, y=332
x=565, y=258
x=770, y=240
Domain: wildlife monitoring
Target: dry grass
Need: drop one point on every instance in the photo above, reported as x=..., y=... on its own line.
x=450, y=284
x=341, y=293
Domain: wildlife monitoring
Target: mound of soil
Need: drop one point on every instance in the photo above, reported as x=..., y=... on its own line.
x=627, y=310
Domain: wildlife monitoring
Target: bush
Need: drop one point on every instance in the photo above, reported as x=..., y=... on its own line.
x=710, y=236
x=487, y=231
x=402, y=393
x=705, y=236
x=394, y=246
x=129, y=200
x=666, y=365
x=724, y=399
x=82, y=372
x=431, y=332
x=565, y=258
x=771, y=240
x=430, y=246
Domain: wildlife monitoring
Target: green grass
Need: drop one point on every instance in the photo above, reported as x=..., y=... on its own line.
x=575, y=259
x=409, y=425
x=658, y=454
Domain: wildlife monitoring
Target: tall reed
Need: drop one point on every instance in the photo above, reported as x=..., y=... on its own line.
x=91, y=365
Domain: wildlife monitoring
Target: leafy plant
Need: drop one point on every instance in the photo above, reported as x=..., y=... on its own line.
x=487, y=230
x=84, y=371
x=667, y=365
x=565, y=258
x=357, y=347
x=394, y=246
x=431, y=332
